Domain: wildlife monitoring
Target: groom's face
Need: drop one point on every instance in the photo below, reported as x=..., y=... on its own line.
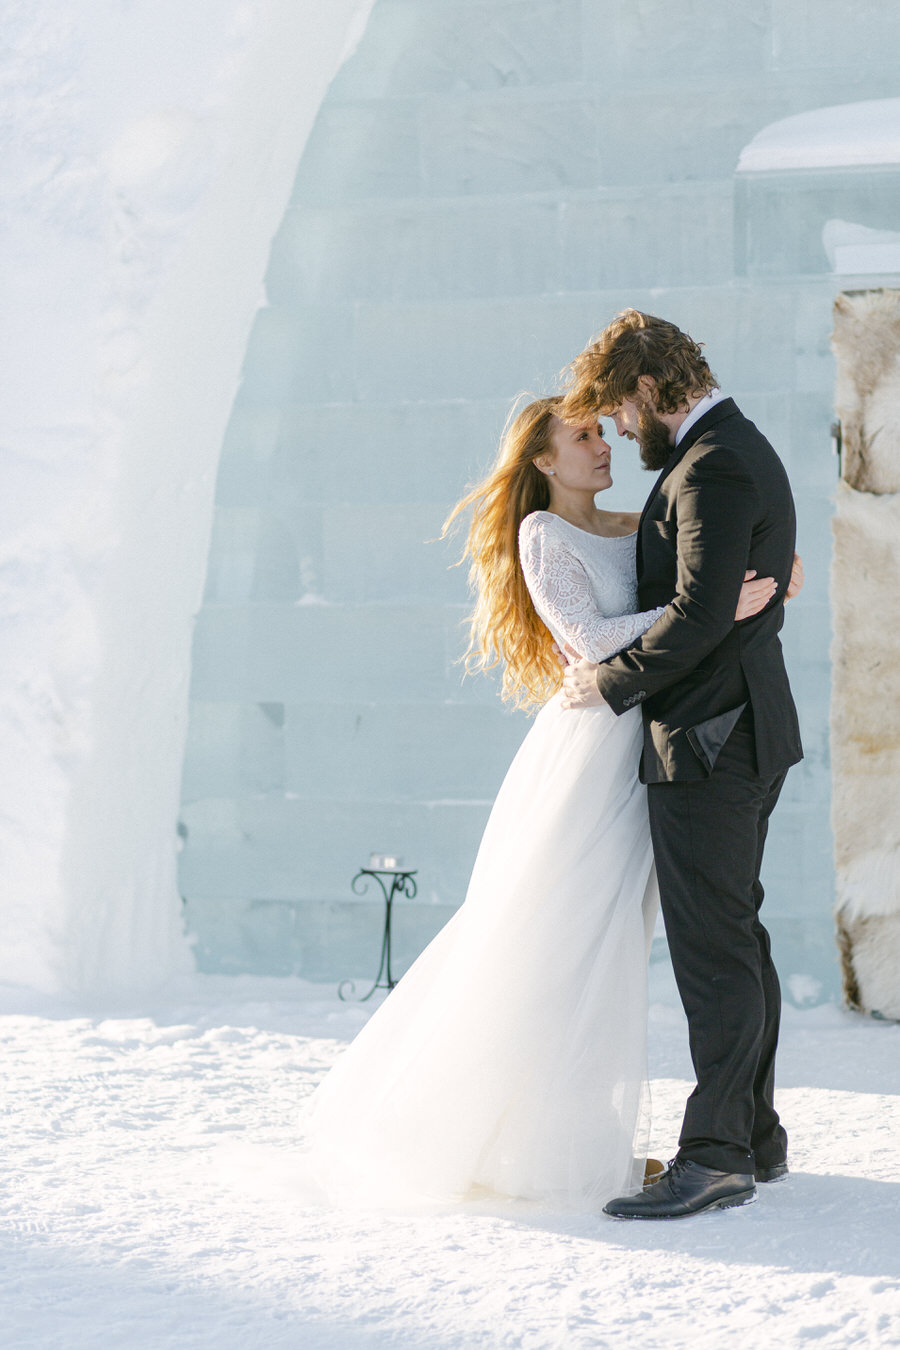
x=638, y=420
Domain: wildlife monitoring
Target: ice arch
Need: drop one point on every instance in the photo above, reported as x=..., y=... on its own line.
x=156, y=142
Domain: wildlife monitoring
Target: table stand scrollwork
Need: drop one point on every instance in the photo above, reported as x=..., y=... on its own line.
x=392, y=882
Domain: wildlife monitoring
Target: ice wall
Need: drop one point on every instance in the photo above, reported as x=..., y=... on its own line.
x=486, y=184
x=148, y=152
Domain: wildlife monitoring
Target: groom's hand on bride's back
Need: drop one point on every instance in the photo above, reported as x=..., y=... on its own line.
x=579, y=680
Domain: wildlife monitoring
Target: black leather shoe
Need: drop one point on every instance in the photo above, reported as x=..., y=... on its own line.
x=687, y=1188
x=777, y=1172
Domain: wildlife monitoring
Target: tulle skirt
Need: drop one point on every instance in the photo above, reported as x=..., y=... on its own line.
x=510, y=1060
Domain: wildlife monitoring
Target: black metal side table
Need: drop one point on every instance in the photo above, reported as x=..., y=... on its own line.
x=392, y=882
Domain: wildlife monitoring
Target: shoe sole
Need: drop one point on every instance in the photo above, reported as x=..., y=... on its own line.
x=773, y=1181
x=726, y=1202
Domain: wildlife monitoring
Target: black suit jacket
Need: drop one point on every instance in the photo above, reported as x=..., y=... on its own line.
x=722, y=504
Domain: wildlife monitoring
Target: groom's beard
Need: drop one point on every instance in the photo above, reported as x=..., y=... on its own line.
x=653, y=438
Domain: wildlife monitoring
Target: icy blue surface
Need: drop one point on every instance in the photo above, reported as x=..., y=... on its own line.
x=487, y=184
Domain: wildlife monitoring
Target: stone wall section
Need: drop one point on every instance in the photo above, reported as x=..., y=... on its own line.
x=865, y=709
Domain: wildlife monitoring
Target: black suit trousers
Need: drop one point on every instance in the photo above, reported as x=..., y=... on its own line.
x=708, y=840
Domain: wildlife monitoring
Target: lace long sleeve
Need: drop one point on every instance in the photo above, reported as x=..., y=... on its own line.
x=562, y=594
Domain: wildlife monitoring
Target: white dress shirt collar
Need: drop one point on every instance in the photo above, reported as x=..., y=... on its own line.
x=708, y=401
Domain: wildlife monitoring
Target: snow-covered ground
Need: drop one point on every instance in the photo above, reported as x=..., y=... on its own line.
x=151, y=1200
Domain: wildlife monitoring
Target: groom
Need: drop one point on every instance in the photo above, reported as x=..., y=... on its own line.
x=720, y=732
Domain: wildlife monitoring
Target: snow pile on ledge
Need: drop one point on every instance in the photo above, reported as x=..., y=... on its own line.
x=828, y=138
x=856, y=249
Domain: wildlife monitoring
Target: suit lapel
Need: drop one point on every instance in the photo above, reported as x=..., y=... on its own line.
x=716, y=414
x=669, y=465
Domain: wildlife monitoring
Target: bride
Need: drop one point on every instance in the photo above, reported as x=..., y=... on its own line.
x=510, y=1059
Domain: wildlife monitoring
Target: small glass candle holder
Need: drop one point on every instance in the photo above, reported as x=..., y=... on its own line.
x=384, y=862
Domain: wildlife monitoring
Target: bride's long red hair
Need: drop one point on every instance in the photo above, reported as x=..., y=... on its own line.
x=504, y=626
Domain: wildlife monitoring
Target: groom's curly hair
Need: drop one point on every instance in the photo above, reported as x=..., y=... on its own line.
x=634, y=344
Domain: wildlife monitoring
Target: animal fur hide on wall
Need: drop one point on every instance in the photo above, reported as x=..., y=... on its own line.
x=865, y=709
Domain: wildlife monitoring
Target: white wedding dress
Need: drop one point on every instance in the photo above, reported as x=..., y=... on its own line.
x=510, y=1059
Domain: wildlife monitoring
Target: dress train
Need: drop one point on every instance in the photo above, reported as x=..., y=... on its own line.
x=510, y=1060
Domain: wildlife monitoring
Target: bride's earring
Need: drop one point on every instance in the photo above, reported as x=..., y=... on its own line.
x=551, y=473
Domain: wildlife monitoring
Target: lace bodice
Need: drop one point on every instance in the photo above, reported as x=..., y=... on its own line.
x=584, y=586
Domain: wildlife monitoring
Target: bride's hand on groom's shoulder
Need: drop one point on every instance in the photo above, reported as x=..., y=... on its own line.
x=579, y=681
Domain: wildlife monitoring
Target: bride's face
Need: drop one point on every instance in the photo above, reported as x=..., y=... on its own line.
x=580, y=458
